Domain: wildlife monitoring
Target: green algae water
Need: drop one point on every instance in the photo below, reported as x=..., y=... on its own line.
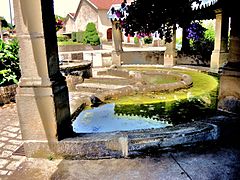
x=204, y=85
x=153, y=110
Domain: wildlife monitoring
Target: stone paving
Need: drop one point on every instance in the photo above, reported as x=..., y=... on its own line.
x=10, y=140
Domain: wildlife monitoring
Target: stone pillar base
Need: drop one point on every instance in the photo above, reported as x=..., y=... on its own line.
x=218, y=59
x=229, y=95
x=44, y=114
x=117, y=58
x=169, y=60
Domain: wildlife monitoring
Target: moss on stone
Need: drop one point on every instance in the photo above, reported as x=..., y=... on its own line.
x=203, y=85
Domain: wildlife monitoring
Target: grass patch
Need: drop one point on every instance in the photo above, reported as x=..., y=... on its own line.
x=64, y=43
x=159, y=79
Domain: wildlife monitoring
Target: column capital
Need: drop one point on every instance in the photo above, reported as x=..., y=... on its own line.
x=218, y=11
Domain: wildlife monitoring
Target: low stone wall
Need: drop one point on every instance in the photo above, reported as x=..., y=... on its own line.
x=83, y=69
x=69, y=56
x=184, y=59
x=77, y=47
x=7, y=94
x=143, y=57
x=104, y=58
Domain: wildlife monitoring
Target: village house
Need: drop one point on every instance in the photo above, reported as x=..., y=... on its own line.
x=91, y=11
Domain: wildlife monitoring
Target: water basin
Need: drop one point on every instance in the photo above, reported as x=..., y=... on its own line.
x=104, y=119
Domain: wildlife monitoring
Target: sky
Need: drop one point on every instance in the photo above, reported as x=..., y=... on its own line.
x=61, y=8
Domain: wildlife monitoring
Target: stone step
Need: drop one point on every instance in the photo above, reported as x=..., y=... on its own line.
x=97, y=87
x=80, y=94
x=109, y=80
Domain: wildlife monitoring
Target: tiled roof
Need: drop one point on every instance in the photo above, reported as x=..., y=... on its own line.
x=105, y=4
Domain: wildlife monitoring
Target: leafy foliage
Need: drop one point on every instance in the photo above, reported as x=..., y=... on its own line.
x=136, y=40
x=79, y=36
x=91, y=36
x=59, y=22
x=73, y=36
x=210, y=32
x=148, y=39
x=195, y=31
x=9, y=62
x=201, y=40
x=147, y=16
x=62, y=38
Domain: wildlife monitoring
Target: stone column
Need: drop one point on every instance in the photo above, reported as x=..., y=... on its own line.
x=42, y=94
x=220, y=52
x=170, y=53
x=116, y=43
x=229, y=94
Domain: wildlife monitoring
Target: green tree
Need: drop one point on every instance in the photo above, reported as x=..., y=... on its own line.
x=147, y=16
x=90, y=35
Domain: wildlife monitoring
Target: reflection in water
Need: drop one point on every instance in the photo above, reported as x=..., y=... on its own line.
x=111, y=117
x=174, y=112
x=104, y=119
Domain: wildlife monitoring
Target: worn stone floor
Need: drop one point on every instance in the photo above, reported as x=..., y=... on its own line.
x=211, y=163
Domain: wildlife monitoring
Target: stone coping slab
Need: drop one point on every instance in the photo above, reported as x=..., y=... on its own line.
x=132, y=143
x=124, y=144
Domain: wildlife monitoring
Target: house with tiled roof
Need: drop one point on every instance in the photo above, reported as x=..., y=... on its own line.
x=91, y=11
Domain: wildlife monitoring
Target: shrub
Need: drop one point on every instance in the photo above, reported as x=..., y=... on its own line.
x=9, y=62
x=91, y=36
x=201, y=40
x=62, y=38
x=210, y=32
x=148, y=39
x=74, y=39
x=136, y=40
x=79, y=36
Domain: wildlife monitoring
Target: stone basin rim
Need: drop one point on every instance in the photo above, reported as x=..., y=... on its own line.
x=124, y=144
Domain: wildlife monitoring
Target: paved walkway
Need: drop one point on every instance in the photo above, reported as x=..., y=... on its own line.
x=10, y=140
x=211, y=163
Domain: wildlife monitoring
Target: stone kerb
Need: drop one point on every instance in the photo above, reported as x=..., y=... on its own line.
x=133, y=143
x=125, y=144
x=136, y=86
x=78, y=47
